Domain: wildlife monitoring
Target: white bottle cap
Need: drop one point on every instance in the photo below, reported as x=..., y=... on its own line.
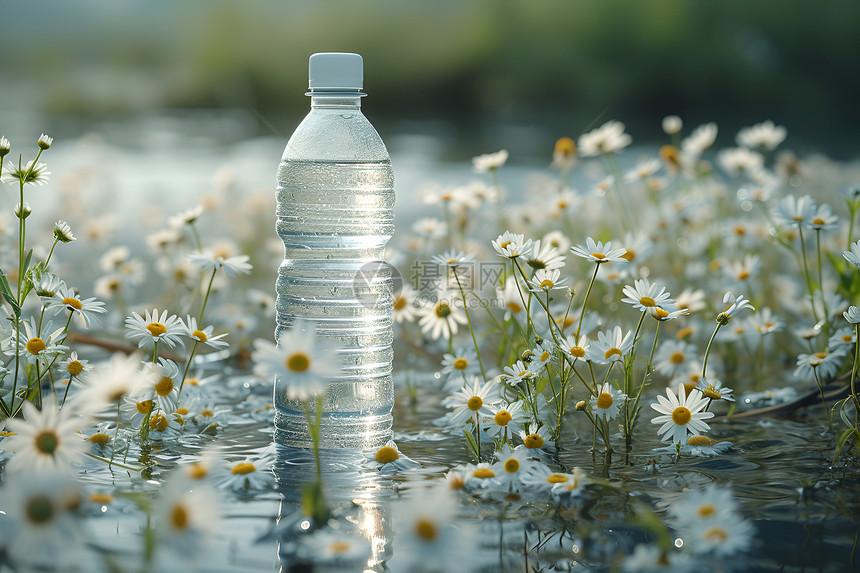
x=335, y=70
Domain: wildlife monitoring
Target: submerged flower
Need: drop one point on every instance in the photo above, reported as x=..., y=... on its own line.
x=681, y=414
x=302, y=361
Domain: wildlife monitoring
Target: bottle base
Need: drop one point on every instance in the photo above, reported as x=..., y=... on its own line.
x=351, y=431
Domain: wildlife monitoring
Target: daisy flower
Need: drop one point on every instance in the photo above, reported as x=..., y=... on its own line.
x=853, y=255
x=674, y=357
x=232, y=266
x=389, y=460
x=153, y=328
x=163, y=377
x=430, y=228
x=44, y=441
x=608, y=138
x=574, y=348
x=40, y=531
x=185, y=517
x=63, y=232
x=505, y=417
x=511, y=465
x=462, y=363
x=75, y=366
x=453, y=258
x=607, y=402
x=65, y=298
x=47, y=285
x=700, y=140
x=597, y=252
x=545, y=281
x=852, y=315
x=186, y=217
x=334, y=547
x=691, y=300
x=204, y=336
x=441, y=318
x=108, y=384
x=541, y=355
x=703, y=446
x=545, y=255
x=765, y=322
x=680, y=415
x=535, y=436
x=511, y=299
x=490, y=161
x=250, y=474
x=736, y=304
x=722, y=538
x=571, y=489
x=539, y=478
x=740, y=271
x=764, y=135
x=516, y=373
x=611, y=345
x=713, y=389
x=671, y=124
x=564, y=154
x=512, y=245
x=35, y=347
x=843, y=338
x=303, y=363
x=643, y=170
x=645, y=295
x=37, y=174
x=471, y=401
x=794, y=211
x=738, y=160
x=823, y=219
x=403, y=305
x=823, y=365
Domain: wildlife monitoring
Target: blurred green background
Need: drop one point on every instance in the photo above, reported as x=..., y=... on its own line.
x=479, y=74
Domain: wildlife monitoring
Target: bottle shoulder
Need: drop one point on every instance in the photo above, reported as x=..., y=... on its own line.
x=335, y=135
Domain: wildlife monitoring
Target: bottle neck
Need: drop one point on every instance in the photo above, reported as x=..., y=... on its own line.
x=335, y=99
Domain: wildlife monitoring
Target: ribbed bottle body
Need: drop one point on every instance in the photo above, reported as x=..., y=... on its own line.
x=335, y=216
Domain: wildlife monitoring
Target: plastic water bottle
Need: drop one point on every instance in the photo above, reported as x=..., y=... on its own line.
x=335, y=215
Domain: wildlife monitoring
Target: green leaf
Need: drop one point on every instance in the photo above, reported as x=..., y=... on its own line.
x=473, y=447
x=841, y=442
x=6, y=291
x=27, y=285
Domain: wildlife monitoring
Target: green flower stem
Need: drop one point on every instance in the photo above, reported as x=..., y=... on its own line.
x=314, y=431
x=806, y=273
x=66, y=393
x=598, y=429
x=196, y=237
x=155, y=352
x=501, y=328
x=821, y=392
x=585, y=300
x=187, y=367
x=206, y=297
x=478, y=435
x=708, y=349
x=821, y=284
x=110, y=462
x=854, y=397
x=758, y=384
x=469, y=321
x=648, y=369
x=529, y=325
x=51, y=253
x=852, y=209
x=115, y=434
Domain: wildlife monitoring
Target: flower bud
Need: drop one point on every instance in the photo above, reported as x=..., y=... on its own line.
x=5, y=146
x=45, y=141
x=672, y=124
x=580, y=405
x=23, y=214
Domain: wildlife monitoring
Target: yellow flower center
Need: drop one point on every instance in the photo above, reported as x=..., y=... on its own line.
x=700, y=441
x=158, y=423
x=659, y=313
x=102, y=498
x=461, y=364
x=711, y=392
x=386, y=454
x=156, y=329
x=706, y=510
x=426, y=530
x=556, y=478
x=475, y=403
x=206, y=413
x=565, y=146
x=505, y=244
x=200, y=335
x=684, y=332
x=743, y=275
x=182, y=411
x=671, y=155
x=533, y=441
x=577, y=352
x=514, y=307
x=647, y=301
x=818, y=221
x=716, y=534
x=598, y=256
x=74, y=368
x=36, y=345
x=681, y=415
x=100, y=439
x=339, y=547
x=612, y=352
x=73, y=302
x=502, y=418
x=197, y=471
x=512, y=465
x=483, y=473
x=677, y=358
x=544, y=356
x=144, y=407
x=165, y=386
x=40, y=509
x=604, y=401
x=629, y=254
x=298, y=362
x=443, y=310
x=47, y=442
x=243, y=468
x=546, y=284
x=179, y=517
x=399, y=303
